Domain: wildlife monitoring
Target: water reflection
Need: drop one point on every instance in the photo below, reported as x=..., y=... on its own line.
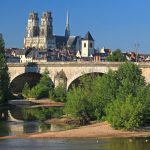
x=3, y=112
x=16, y=128
x=13, y=124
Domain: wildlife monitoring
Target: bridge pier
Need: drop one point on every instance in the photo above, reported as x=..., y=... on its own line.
x=60, y=79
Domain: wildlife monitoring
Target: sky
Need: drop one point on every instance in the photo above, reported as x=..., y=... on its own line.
x=112, y=23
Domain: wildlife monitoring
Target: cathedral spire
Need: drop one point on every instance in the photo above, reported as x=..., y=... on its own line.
x=67, y=30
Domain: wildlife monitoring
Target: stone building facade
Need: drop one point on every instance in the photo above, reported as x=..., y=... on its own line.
x=87, y=49
x=40, y=37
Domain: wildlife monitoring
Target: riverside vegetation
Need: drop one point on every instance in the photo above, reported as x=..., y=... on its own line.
x=4, y=76
x=121, y=97
x=45, y=89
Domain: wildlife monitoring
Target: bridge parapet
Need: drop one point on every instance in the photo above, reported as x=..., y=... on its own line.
x=76, y=63
x=72, y=70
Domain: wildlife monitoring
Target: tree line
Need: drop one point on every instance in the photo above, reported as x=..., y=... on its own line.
x=121, y=97
x=4, y=76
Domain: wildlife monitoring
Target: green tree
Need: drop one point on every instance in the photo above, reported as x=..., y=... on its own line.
x=97, y=92
x=116, y=56
x=144, y=96
x=99, y=97
x=130, y=80
x=41, y=90
x=51, y=94
x=103, y=91
x=77, y=104
x=4, y=76
x=59, y=93
x=26, y=90
x=126, y=114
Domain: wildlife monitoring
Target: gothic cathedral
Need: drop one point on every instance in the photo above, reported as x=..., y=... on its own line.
x=40, y=37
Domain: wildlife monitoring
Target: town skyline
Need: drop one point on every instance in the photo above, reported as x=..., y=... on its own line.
x=112, y=24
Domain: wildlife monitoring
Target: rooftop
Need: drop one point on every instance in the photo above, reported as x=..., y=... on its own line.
x=88, y=36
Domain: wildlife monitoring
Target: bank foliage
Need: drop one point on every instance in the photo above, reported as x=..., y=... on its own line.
x=4, y=75
x=41, y=90
x=45, y=89
x=121, y=97
x=59, y=93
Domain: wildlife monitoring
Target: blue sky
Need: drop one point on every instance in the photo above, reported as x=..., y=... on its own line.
x=112, y=23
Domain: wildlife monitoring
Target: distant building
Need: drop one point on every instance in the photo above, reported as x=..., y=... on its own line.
x=22, y=54
x=16, y=55
x=102, y=54
x=78, y=54
x=41, y=36
x=67, y=30
x=74, y=43
x=132, y=56
x=41, y=45
x=147, y=59
x=12, y=59
x=87, y=49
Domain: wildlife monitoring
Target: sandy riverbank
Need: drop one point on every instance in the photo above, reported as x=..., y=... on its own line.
x=98, y=130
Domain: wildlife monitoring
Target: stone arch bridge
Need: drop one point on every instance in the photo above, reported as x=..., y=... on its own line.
x=71, y=70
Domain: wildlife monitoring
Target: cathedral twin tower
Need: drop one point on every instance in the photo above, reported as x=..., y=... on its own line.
x=42, y=37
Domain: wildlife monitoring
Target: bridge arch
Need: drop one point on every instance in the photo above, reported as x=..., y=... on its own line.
x=19, y=81
x=79, y=74
x=13, y=73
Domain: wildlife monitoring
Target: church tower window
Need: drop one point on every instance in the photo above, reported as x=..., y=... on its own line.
x=91, y=45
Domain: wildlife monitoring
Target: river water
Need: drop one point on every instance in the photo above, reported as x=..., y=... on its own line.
x=9, y=128
x=75, y=144
x=16, y=128
x=12, y=128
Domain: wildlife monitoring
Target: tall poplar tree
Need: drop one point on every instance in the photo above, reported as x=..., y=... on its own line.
x=4, y=76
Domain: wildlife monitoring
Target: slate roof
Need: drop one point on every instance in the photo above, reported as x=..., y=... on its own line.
x=15, y=50
x=31, y=53
x=60, y=41
x=72, y=40
x=21, y=51
x=88, y=36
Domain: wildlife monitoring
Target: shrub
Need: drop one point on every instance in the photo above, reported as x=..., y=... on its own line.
x=60, y=93
x=126, y=114
x=41, y=90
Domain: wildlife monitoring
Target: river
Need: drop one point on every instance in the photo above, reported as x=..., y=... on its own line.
x=16, y=128
x=9, y=128
x=75, y=144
